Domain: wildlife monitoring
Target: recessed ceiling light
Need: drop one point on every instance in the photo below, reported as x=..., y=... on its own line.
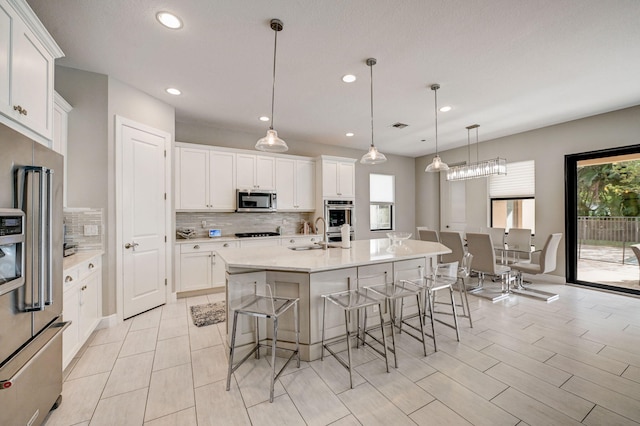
x=350, y=134
x=445, y=109
x=169, y=20
x=264, y=118
x=173, y=91
x=349, y=78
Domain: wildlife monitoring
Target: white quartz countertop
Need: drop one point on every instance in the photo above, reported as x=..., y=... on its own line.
x=362, y=252
x=79, y=257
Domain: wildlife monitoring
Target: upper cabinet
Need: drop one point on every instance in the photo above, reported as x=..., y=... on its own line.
x=27, y=54
x=205, y=179
x=295, y=183
x=61, y=110
x=338, y=177
x=255, y=172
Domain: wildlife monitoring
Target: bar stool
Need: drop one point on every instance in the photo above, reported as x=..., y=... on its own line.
x=269, y=307
x=444, y=276
x=350, y=302
x=398, y=290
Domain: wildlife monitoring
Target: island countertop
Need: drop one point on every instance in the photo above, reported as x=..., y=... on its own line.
x=362, y=252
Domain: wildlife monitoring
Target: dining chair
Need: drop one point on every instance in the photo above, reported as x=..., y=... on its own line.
x=484, y=263
x=541, y=262
x=426, y=234
x=519, y=239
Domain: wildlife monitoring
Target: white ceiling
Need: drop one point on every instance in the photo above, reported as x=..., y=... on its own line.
x=507, y=65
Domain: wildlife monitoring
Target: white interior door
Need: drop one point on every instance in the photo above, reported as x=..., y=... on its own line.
x=453, y=215
x=144, y=217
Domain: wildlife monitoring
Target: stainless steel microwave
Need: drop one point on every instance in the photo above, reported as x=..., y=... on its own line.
x=256, y=201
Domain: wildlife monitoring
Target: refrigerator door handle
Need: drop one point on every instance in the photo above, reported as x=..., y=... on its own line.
x=49, y=237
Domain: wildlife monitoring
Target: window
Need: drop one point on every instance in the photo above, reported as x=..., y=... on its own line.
x=513, y=203
x=382, y=198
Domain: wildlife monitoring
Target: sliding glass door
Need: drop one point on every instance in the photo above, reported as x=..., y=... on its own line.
x=603, y=218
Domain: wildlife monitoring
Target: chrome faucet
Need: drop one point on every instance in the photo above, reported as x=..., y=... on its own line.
x=324, y=243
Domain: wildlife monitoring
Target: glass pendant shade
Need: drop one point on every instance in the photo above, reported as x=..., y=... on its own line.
x=373, y=156
x=437, y=165
x=271, y=143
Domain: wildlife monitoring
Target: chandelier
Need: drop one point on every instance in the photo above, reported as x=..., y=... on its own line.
x=479, y=169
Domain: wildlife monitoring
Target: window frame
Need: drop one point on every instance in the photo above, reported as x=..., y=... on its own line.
x=390, y=204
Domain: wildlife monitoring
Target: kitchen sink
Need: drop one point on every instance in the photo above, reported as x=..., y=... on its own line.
x=302, y=248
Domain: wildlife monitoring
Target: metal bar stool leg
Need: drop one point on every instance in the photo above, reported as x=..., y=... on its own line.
x=346, y=326
x=384, y=340
x=297, y=330
x=232, y=348
x=421, y=319
x=453, y=308
x=273, y=357
x=393, y=332
x=257, y=337
x=324, y=314
x=430, y=296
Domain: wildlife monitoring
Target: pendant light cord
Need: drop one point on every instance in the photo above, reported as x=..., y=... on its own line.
x=435, y=92
x=477, y=147
x=371, y=84
x=273, y=84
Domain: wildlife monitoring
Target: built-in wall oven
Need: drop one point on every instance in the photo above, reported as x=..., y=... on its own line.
x=336, y=214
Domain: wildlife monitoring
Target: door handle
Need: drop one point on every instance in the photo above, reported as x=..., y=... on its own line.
x=130, y=245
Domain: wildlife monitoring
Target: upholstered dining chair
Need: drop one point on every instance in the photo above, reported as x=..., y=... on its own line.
x=541, y=262
x=519, y=238
x=484, y=263
x=426, y=234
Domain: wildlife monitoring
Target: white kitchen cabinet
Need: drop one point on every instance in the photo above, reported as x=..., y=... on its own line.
x=255, y=171
x=199, y=266
x=295, y=183
x=61, y=110
x=305, y=240
x=205, y=179
x=27, y=54
x=81, y=302
x=338, y=177
x=260, y=242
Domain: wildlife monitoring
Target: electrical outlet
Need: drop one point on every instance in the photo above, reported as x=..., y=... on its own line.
x=90, y=230
x=204, y=223
x=375, y=309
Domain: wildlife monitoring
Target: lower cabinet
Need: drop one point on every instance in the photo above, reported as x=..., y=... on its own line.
x=82, y=286
x=199, y=267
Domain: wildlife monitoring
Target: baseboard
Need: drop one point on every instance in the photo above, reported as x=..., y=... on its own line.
x=108, y=321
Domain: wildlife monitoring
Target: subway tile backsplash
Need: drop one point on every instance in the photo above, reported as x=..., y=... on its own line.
x=79, y=223
x=232, y=223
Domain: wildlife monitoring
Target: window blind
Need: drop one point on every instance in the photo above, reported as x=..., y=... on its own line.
x=381, y=188
x=520, y=181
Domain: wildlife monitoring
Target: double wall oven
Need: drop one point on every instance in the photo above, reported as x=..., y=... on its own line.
x=336, y=214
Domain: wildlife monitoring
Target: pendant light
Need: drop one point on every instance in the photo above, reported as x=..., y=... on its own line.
x=373, y=156
x=271, y=142
x=479, y=169
x=437, y=164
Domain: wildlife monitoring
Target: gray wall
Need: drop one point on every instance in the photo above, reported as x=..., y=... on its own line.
x=401, y=167
x=96, y=99
x=547, y=146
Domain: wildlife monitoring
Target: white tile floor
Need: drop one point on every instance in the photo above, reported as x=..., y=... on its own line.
x=572, y=361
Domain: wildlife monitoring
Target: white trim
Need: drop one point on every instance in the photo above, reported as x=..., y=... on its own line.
x=119, y=123
x=109, y=321
x=33, y=23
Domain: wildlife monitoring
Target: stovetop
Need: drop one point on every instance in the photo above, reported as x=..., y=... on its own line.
x=256, y=234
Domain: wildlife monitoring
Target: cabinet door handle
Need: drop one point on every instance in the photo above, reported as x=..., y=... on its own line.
x=196, y=247
x=68, y=279
x=20, y=109
x=213, y=259
x=225, y=245
x=292, y=240
x=91, y=266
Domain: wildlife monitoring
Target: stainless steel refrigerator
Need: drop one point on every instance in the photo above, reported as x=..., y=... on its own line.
x=31, y=240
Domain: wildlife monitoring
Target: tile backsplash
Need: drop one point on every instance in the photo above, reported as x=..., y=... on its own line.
x=232, y=223
x=85, y=227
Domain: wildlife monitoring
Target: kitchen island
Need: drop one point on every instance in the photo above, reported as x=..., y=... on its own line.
x=308, y=274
